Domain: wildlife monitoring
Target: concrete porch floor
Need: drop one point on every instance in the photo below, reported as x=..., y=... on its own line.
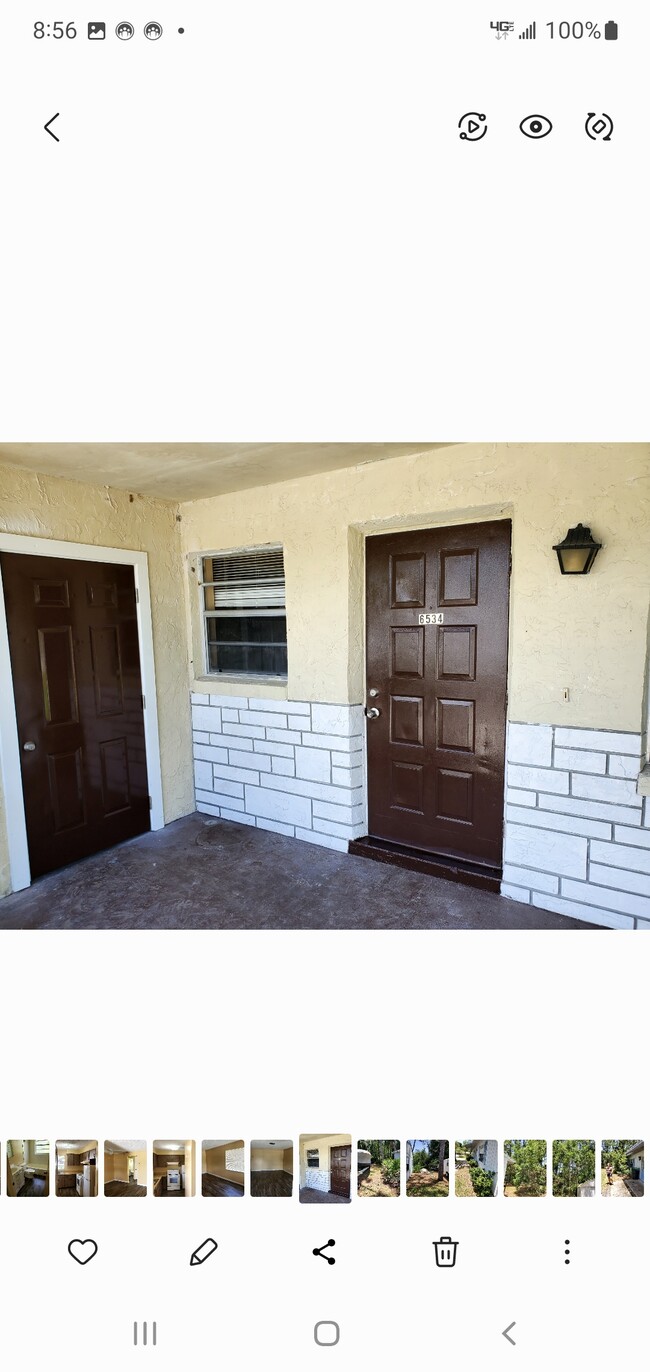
x=204, y=873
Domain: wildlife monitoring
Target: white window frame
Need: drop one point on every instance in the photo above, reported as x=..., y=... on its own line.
x=204, y=615
x=9, y=743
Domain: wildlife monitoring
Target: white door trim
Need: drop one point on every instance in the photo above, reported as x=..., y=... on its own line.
x=9, y=744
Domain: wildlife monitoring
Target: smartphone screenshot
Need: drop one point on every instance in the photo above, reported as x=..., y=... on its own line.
x=324, y=684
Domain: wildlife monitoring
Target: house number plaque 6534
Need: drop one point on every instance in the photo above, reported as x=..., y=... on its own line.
x=431, y=619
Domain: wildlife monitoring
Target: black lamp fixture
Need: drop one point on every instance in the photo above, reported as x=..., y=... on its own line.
x=577, y=552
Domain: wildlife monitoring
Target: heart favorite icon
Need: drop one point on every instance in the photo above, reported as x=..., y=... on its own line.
x=82, y=1250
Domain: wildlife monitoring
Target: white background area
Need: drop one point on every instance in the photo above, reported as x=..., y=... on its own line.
x=269, y=229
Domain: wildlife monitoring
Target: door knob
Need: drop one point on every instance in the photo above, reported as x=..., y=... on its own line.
x=29, y=747
x=372, y=713
x=373, y=692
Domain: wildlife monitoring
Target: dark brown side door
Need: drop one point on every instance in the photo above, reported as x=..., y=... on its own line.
x=340, y=1160
x=437, y=656
x=75, y=660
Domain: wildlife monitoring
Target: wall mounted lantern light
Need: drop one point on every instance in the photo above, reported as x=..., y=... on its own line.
x=577, y=552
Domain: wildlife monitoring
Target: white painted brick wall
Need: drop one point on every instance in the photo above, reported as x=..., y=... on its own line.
x=577, y=835
x=316, y=1179
x=288, y=766
x=530, y=744
x=576, y=840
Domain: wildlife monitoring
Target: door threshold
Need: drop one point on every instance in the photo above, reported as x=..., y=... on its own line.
x=431, y=864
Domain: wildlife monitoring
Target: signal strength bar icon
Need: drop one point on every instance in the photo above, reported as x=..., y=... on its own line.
x=531, y=31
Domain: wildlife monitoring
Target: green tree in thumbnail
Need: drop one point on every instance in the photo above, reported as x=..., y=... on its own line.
x=526, y=1166
x=380, y=1150
x=615, y=1152
x=574, y=1162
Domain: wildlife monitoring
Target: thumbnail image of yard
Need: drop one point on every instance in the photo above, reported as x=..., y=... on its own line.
x=524, y=1167
x=621, y=1167
x=476, y=1163
x=574, y=1168
x=427, y=1167
x=378, y=1167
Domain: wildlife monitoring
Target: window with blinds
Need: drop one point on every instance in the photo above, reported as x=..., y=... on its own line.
x=244, y=612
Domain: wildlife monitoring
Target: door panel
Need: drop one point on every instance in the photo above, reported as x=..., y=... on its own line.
x=340, y=1162
x=76, y=676
x=436, y=751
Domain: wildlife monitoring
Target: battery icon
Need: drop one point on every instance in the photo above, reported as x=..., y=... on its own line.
x=611, y=30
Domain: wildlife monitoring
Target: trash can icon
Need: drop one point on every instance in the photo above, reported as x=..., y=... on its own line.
x=445, y=1252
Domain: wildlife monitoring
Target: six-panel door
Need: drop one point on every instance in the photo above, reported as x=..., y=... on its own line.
x=437, y=655
x=75, y=660
x=340, y=1163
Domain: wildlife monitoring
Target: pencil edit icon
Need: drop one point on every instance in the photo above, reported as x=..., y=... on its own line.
x=203, y=1252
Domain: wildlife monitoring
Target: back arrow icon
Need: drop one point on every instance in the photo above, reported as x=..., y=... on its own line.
x=48, y=129
x=506, y=1333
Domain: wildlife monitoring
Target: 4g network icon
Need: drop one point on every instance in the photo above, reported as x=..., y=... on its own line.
x=502, y=27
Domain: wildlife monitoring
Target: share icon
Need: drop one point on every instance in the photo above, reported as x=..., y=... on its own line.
x=318, y=1252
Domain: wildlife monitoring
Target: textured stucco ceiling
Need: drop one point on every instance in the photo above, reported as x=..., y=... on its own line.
x=190, y=471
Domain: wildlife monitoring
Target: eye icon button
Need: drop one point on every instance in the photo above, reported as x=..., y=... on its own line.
x=536, y=126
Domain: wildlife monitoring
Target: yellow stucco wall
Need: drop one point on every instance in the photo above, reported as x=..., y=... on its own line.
x=588, y=634
x=48, y=507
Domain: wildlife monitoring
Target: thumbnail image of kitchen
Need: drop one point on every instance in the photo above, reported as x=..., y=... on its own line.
x=76, y=1167
x=271, y=1167
x=173, y=1167
x=28, y=1167
x=125, y=1167
x=325, y=1168
x=222, y=1167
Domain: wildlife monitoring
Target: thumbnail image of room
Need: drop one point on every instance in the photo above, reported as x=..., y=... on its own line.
x=28, y=1167
x=125, y=1167
x=427, y=1167
x=76, y=1167
x=325, y=1168
x=173, y=1167
x=621, y=1168
x=222, y=1167
x=271, y=1167
x=574, y=1168
x=378, y=1167
x=476, y=1166
x=524, y=1167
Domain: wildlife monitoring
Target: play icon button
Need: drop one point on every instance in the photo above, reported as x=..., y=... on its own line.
x=472, y=126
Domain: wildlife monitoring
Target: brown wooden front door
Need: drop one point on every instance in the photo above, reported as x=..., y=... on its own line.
x=73, y=638
x=340, y=1162
x=436, y=750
